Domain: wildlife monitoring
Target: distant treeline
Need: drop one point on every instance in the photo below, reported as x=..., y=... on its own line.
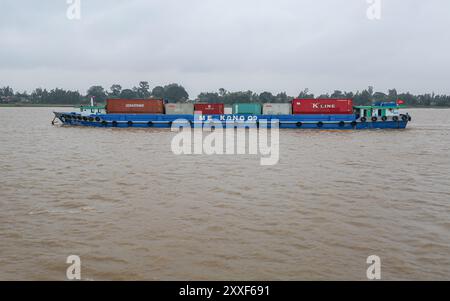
x=177, y=93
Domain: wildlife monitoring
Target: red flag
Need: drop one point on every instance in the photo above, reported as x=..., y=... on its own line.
x=400, y=102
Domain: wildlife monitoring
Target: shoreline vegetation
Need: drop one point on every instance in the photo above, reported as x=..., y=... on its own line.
x=171, y=93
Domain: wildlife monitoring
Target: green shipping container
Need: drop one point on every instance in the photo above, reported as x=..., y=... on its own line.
x=247, y=108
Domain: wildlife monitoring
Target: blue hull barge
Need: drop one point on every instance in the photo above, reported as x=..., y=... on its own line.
x=383, y=116
x=324, y=122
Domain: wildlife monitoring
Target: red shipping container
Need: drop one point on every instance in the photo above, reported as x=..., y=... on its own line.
x=135, y=106
x=322, y=106
x=210, y=109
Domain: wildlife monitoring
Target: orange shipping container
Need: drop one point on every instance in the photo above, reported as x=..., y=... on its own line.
x=135, y=106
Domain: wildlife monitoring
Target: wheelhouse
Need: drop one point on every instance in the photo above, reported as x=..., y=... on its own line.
x=383, y=111
x=88, y=110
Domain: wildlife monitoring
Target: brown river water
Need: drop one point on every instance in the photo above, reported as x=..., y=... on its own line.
x=132, y=210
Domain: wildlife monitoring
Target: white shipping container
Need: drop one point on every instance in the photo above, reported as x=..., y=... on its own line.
x=228, y=110
x=277, y=109
x=179, y=109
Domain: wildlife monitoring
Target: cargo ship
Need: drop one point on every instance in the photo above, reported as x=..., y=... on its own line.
x=325, y=114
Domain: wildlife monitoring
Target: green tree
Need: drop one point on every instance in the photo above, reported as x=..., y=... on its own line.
x=175, y=93
x=349, y=95
x=115, y=91
x=410, y=99
x=392, y=94
x=305, y=94
x=98, y=92
x=363, y=98
x=425, y=100
x=6, y=94
x=266, y=97
x=143, y=91
x=239, y=97
x=158, y=92
x=128, y=94
x=379, y=97
x=209, y=97
x=337, y=94
x=283, y=97
x=56, y=96
x=37, y=95
x=6, y=91
x=324, y=96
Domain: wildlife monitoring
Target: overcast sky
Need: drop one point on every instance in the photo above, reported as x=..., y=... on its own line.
x=273, y=45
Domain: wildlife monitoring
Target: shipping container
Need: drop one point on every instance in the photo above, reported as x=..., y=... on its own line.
x=135, y=106
x=277, y=109
x=179, y=109
x=228, y=110
x=210, y=109
x=247, y=108
x=322, y=106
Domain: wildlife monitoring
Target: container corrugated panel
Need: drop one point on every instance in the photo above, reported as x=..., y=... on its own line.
x=277, y=109
x=322, y=106
x=135, y=106
x=228, y=111
x=179, y=108
x=210, y=108
x=247, y=108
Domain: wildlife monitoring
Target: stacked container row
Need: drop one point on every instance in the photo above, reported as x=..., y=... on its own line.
x=298, y=106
